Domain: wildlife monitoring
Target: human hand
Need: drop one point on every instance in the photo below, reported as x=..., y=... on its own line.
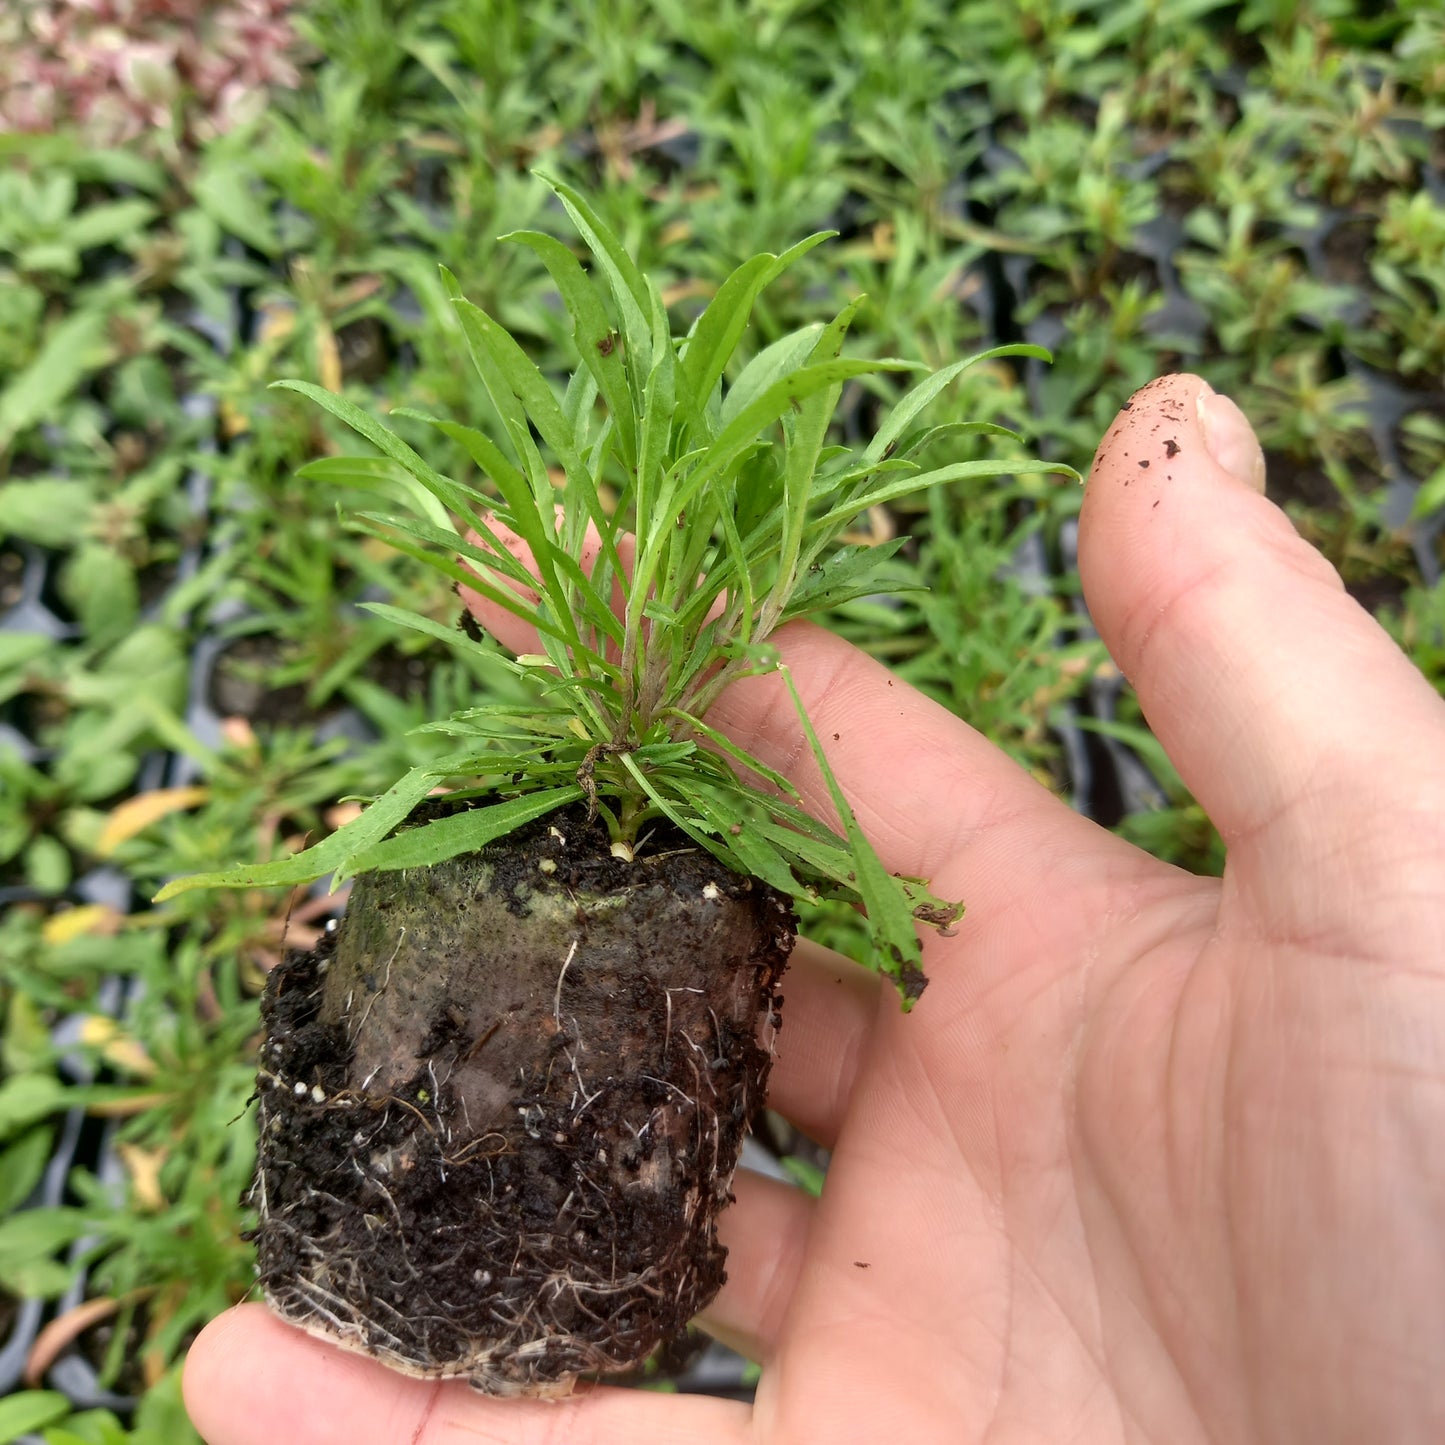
x=1156, y=1157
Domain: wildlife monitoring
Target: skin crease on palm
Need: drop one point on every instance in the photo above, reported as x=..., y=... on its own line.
x=1156, y=1157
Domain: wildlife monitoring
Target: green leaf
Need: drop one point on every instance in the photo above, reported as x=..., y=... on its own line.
x=429, y=626
x=226, y=192
x=521, y=377
x=720, y=327
x=839, y=516
x=29, y=1242
x=735, y=821
x=1428, y=500
x=379, y=476
x=913, y=402
x=363, y=472
x=509, y=367
x=47, y=865
x=782, y=357
x=523, y=515
x=920, y=441
x=462, y=832
x=22, y=1166
x=100, y=1427
x=30, y=1410
x=743, y=758
x=42, y=1231
x=804, y=441
x=28, y=1098
x=327, y=856
x=160, y=1418
x=767, y=407
x=513, y=415
x=448, y=493
x=114, y=221
x=26, y=1044
x=19, y=648
x=890, y=917
x=485, y=563
x=27, y=1276
x=852, y=571
x=592, y=331
x=100, y=586
x=483, y=451
x=73, y=349
x=629, y=289
x=49, y=511
x=805, y=1174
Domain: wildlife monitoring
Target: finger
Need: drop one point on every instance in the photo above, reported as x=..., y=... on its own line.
x=1285, y=706
x=252, y=1380
x=829, y=1005
x=766, y=1233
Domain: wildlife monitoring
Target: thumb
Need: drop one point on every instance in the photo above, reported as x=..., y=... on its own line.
x=1284, y=705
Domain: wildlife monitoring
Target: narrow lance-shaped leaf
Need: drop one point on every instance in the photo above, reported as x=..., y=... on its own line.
x=913, y=402
x=516, y=371
x=478, y=581
x=449, y=493
x=890, y=919
x=777, y=360
x=850, y=573
x=742, y=431
x=331, y=853
x=726, y=830
x=740, y=756
x=513, y=415
x=959, y=471
x=800, y=463
x=525, y=518
x=460, y=833
x=720, y=327
x=629, y=289
x=592, y=330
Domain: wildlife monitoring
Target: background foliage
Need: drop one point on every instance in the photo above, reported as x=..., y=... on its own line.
x=1254, y=191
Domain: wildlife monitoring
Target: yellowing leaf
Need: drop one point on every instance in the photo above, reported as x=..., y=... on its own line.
x=328, y=358
x=116, y=1047
x=125, y=1105
x=136, y=814
x=144, y=1168
x=68, y=1327
x=234, y=422
x=278, y=321
x=77, y=922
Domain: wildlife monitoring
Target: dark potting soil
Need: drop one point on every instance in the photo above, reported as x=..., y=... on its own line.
x=501, y=1108
x=240, y=685
x=95, y=1345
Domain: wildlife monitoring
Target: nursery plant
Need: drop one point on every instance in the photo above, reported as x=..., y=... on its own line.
x=501, y=1106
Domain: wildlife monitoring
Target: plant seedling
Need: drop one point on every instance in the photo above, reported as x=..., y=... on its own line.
x=502, y=1106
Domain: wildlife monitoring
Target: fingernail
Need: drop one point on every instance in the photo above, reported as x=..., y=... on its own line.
x=1230, y=439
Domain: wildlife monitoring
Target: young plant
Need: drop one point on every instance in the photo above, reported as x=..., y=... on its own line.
x=501, y=1108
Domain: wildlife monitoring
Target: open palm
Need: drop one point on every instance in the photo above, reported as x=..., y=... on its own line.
x=1156, y=1158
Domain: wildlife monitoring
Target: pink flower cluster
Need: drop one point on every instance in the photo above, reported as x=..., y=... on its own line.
x=117, y=68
